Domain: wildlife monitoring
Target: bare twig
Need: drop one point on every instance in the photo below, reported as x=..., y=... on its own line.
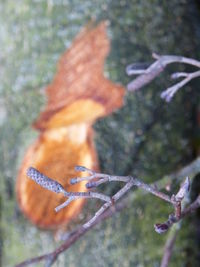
x=130, y=181
x=170, y=92
x=169, y=248
x=152, y=71
x=72, y=238
x=190, y=170
x=107, y=205
x=195, y=205
x=174, y=231
x=77, y=195
x=146, y=74
x=163, y=227
x=77, y=234
x=56, y=187
x=184, y=189
x=103, y=178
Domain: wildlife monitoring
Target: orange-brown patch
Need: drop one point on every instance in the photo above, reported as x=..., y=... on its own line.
x=77, y=96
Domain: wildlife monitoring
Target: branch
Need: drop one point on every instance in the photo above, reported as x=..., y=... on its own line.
x=190, y=170
x=107, y=205
x=154, y=69
x=56, y=187
x=163, y=227
x=169, y=248
x=130, y=181
x=169, y=93
x=74, y=236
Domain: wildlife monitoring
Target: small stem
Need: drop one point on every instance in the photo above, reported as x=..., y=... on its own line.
x=107, y=205
x=178, y=210
x=163, y=227
x=170, y=92
x=146, y=75
x=76, y=195
x=190, y=170
x=169, y=248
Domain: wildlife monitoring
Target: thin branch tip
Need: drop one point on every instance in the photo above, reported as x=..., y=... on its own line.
x=91, y=185
x=155, y=55
x=83, y=169
x=184, y=190
x=151, y=72
x=80, y=168
x=73, y=181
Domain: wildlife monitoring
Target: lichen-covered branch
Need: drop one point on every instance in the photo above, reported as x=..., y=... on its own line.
x=148, y=72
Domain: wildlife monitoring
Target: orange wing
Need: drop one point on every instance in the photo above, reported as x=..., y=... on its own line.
x=78, y=95
x=79, y=85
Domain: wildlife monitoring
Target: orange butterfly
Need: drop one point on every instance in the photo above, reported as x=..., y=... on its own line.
x=77, y=96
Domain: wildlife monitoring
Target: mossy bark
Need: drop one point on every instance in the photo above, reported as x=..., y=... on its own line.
x=151, y=138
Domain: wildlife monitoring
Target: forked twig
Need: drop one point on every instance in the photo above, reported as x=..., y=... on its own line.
x=95, y=179
x=148, y=72
x=56, y=187
x=192, y=169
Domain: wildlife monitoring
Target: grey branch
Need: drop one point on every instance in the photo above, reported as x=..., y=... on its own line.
x=169, y=247
x=163, y=227
x=107, y=205
x=77, y=195
x=95, y=179
x=170, y=92
x=153, y=70
x=184, y=189
x=56, y=187
x=130, y=181
x=103, y=178
x=190, y=170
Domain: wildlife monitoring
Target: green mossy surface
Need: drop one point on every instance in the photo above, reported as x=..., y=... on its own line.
x=147, y=137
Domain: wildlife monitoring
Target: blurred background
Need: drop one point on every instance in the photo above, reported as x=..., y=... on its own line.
x=151, y=138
